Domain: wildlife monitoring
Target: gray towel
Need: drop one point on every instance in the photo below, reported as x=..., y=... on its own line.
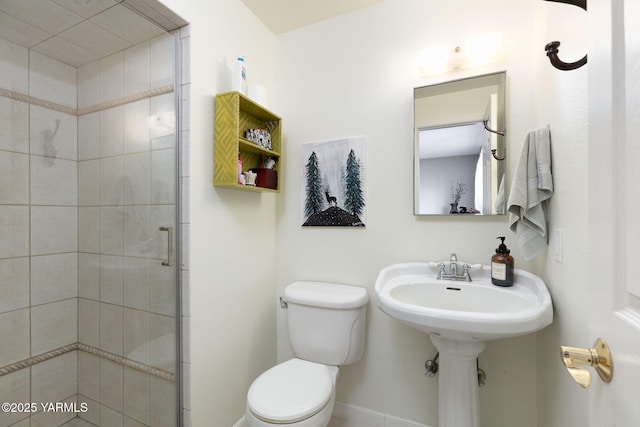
x=531, y=188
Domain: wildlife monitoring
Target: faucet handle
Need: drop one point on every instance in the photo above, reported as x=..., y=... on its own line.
x=453, y=257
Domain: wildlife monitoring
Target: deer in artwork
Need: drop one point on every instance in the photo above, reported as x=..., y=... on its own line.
x=330, y=199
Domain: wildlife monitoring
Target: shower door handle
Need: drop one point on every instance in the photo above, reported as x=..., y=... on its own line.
x=169, y=261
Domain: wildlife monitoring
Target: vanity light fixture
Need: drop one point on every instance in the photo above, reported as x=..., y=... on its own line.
x=476, y=51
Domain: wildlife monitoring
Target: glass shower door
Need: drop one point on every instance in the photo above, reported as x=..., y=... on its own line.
x=88, y=214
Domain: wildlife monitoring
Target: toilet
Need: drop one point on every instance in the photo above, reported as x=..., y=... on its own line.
x=326, y=324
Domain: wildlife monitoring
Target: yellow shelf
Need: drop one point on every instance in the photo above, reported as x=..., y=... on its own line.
x=235, y=113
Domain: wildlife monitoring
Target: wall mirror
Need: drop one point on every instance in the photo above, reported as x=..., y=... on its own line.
x=461, y=147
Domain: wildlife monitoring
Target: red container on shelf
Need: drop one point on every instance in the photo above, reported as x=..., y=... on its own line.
x=267, y=178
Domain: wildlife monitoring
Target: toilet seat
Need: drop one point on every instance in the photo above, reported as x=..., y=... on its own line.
x=291, y=391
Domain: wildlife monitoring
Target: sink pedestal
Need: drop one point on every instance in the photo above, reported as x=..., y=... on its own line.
x=458, y=382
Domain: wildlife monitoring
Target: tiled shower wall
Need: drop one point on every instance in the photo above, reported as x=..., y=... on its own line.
x=38, y=229
x=83, y=190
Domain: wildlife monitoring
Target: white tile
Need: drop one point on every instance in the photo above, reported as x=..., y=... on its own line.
x=111, y=383
x=89, y=276
x=136, y=283
x=137, y=179
x=86, y=9
x=111, y=131
x=163, y=178
x=128, y=26
x=52, y=80
x=14, y=387
x=53, y=134
x=93, y=408
x=14, y=121
x=137, y=237
x=111, y=181
x=112, y=77
x=14, y=283
x=43, y=14
x=14, y=231
x=136, y=335
x=111, y=279
x=53, y=229
x=163, y=402
x=110, y=417
x=54, y=181
x=65, y=51
x=89, y=229
x=89, y=183
x=89, y=84
x=55, y=380
x=94, y=38
x=89, y=323
x=14, y=178
x=54, y=277
x=111, y=230
x=162, y=295
x=160, y=216
x=111, y=318
x=162, y=347
x=136, y=127
x=14, y=329
x=162, y=117
x=162, y=56
x=54, y=325
x=89, y=136
x=88, y=376
x=14, y=65
x=136, y=395
x=136, y=69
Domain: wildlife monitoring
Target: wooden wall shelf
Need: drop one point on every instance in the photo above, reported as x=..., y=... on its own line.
x=235, y=113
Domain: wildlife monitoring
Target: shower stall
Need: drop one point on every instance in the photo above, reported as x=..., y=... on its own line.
x=89, y=266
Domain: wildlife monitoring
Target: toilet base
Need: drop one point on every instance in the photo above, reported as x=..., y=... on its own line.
x=321, y=419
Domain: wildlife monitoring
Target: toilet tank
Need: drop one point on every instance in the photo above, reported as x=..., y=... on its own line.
x=326, y=321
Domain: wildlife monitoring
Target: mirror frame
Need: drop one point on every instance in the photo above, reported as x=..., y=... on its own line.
x=499, y=141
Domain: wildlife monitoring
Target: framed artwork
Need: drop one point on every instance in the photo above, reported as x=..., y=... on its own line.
x=333, y=183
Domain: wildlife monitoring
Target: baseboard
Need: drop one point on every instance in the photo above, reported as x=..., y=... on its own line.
x=361, y=416
x=367, y=417
x=241, y=422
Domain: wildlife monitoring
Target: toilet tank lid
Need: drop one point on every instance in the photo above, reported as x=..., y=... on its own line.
x=328, y=295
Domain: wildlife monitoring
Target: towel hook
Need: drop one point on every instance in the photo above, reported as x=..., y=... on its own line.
x=504, y=154
x=552, y=47
x=501, y=133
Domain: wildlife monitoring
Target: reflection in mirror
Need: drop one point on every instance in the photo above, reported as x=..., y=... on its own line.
x=455, y=170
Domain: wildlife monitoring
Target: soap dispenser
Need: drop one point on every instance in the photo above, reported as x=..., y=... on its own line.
x=502, y=266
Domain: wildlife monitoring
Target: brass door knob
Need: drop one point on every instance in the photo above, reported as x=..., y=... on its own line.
x=599, y=357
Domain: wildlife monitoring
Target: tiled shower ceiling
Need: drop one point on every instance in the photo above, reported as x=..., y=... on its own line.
x=80, y=31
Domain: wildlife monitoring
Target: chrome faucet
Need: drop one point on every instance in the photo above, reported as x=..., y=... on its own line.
x=453, y=270
x=453, y=265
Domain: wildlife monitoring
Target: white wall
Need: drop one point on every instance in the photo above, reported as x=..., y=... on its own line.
x=350, y=76
x=354, y=75
x=561, y=102
x=232, y=325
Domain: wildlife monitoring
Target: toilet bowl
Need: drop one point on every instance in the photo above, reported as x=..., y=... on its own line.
x=297, y=393
x=326, y=324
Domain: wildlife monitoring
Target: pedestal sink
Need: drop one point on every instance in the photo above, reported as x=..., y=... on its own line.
x=460, y=317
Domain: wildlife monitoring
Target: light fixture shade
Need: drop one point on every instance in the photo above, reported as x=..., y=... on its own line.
x=479, y=50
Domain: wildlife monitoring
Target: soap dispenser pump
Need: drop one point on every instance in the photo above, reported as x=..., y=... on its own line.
x=502, y=266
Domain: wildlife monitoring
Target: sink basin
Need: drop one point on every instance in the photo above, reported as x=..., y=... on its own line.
x=460, y=316
x=470, y=311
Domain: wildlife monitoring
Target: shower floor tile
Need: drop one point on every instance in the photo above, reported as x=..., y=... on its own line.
x=78, y=422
